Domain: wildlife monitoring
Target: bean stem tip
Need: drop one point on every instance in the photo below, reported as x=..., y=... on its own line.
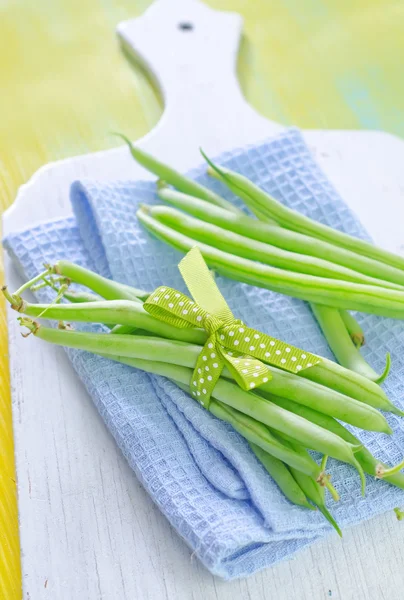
x=31, y=325
x=381, y=471
x=386, y=371
x=325, y=481
x=16, y=302
x=399, y=514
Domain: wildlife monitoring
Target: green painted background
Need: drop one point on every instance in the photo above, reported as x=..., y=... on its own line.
x=64, y=84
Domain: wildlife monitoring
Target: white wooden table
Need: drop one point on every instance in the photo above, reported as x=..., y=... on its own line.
x=88, y=529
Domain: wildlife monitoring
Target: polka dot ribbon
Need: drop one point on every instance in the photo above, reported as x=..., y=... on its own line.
x=230, y=342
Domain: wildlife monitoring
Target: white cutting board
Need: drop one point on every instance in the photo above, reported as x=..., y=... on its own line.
x=88, y=530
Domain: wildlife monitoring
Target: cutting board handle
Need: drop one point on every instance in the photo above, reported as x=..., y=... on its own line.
x=191, y=53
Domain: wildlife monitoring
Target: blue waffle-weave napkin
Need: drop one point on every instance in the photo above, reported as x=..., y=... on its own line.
x=199, y=472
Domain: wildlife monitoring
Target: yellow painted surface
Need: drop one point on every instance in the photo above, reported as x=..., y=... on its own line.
x=65, y=84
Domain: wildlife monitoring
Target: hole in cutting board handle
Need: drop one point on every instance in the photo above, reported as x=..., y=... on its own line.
x=185, y=26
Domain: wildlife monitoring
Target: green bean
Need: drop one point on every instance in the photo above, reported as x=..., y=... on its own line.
x=315, y=493
x=234, y=243
x=108, y=289
x=189, y=204
x=324, y=479
x=38, y=278
x=55, y=284
x=75, y=296
x=124, y=330
x=368, y=462
x=257, y=433
x=354, y=329
x=326, y=372
x=261, y=231
x=252, y=430
x=311, y=488
x=321, y=371
x=182, y=354
x=256, y=198
x=81, y=297
x=278, y=236
x=335, y=325
x=173, y=177
x=111, y=312
x=282, y=477
x=232, y=395
x=319, y=290
x=384, y=472
x=350, y=383
x=340, y=342
x=328, y=401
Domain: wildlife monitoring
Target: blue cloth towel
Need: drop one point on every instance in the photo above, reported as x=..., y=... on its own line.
x=199, y=472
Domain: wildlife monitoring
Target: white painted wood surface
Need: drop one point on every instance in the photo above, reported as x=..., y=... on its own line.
x=88, y=530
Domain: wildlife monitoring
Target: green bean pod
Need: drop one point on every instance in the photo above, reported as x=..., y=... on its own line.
x=353, y=328
x=237, y=244
x=331, y=292
x=282, y=477
x=124, y=330
x=366, y=459
x=273, y=234
x=341, y=344
x=173, y=177
x=111, y=312
x=234, y=396
x=258, y=434
x=80, y=297
x=106, y=288
x=316, y=494
x=257, y=199
x=179, y=353
x=350, y=383
x=326, y=400
x=311, y=488
x=286, y=438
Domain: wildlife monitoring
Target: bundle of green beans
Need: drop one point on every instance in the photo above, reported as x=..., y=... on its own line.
x=348, y=293
x=284, y=251
x=286, y=416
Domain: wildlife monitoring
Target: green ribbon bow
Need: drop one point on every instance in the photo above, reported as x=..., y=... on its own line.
x=230, y=342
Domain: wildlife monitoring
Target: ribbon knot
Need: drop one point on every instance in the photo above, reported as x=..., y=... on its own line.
x=230, y=342
x=211, y=324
